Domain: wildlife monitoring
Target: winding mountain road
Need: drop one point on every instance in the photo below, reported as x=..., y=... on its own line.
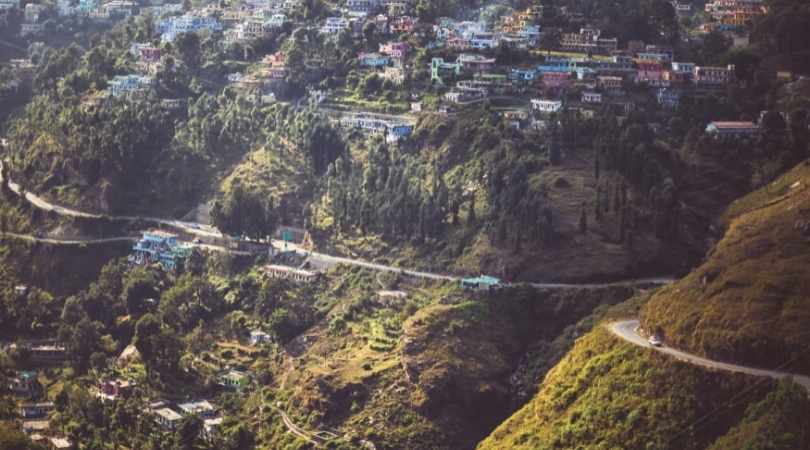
x=53, y=241
x=204, y=230
x=628, y=331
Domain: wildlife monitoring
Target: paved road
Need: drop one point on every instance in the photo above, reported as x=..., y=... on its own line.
x=628, y=330
x=298, y=431
x=45, y=240
x=110, y=240
x=331, y=260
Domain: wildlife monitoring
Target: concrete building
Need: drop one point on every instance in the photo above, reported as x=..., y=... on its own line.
x=290, y=273
x=546, y=106
x=159, y=247
x=738, y=129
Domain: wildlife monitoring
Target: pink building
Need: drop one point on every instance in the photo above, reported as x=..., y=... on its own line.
x=149, y=54
x=556, y=79
x=397, y=50
x=649, y=72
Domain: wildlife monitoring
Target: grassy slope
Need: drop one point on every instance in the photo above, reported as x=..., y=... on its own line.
x=754, y=305
x=608, y=394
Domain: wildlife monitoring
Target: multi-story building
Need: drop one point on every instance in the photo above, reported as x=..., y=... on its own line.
x=712, y=76
x=591, y=97
x=546, y=106
x=127, y=85
x=188, y=23
x=403, y=24
x=362, y=6
x=472, y=62
x=588, y=40
x=441, y=69
x=334, y=25
x=651, y=73
x=396, y=50
x=159, y=247
x=609, y=83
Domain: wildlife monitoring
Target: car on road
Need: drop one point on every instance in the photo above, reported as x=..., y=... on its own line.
x=656, y=341
x=197, y=241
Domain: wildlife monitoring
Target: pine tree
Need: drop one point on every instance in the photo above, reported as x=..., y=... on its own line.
x=583, y=221
x=598, y=208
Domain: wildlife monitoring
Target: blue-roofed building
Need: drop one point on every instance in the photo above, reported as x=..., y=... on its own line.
x=159, y=247
x=373, y=60
x=481, y=283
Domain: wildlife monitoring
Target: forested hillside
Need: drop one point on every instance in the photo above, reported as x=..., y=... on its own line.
x=747, y=301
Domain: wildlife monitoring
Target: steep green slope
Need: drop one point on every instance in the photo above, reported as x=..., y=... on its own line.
x=749, y=302
x=608, y=394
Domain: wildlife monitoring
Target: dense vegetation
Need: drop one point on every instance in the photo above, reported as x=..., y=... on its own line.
x=747, y=301
x=608, y=394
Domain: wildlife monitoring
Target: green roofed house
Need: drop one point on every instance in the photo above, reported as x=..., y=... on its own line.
x=481, y=283
x=234, y=379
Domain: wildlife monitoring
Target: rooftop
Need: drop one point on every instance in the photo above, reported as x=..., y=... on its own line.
x=734, y=125
x=168, y=414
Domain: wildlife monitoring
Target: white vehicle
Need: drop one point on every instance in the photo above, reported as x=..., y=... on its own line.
x=656, y=341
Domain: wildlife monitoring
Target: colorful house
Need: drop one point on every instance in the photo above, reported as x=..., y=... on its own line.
x=159, y=247
x=650, y=72
x=556, y=79
x=395, y=49
x=440, y=69
x=481, y=283
x=375, y=60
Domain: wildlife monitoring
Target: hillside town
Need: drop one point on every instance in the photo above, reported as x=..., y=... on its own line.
x=580, y=69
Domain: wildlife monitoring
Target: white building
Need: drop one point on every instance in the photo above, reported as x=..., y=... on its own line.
x=546, y=106
x=591, y=97
x=335, y=25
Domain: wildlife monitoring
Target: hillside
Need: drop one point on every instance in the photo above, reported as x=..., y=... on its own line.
x=433, y=370
x=607, y=394
x=748, y=302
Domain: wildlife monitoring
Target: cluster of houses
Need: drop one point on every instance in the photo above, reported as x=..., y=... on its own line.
x=34, y=415
x=733, y=15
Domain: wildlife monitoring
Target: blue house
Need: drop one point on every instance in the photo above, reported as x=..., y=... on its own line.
x=373, y=60
x=159, y=247
x=522, y=74
x=398, y=131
